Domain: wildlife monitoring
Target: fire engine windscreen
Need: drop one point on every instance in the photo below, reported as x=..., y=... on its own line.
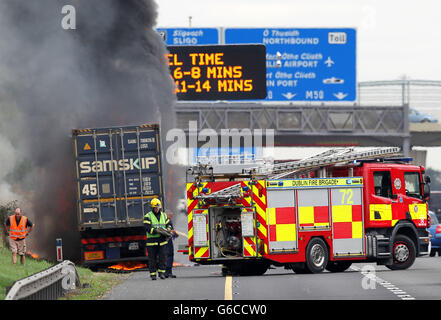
x=227, y=232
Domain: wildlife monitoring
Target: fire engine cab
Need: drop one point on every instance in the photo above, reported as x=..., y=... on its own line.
x=324, y=212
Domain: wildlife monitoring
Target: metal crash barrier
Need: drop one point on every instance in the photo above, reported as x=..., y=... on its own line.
x=49, y=284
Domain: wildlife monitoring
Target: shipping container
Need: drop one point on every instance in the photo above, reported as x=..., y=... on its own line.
x=118, y=172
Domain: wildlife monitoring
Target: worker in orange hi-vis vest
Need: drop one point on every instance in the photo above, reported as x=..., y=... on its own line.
x=18, y=228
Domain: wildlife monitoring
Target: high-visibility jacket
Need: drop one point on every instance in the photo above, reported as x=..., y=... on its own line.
x=18, y=231
x=151, y=222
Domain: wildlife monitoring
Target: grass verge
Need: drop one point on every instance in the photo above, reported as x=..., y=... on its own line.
x=94, y=284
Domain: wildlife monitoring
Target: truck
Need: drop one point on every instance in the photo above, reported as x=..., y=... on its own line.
x=325, y=212
x=118, y=171
x=435, y=202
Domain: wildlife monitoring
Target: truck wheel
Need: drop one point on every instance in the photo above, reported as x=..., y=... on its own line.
x=225, y=271
x=338, y=266
x=260, y=268
x=403, y=253
x=255, y=268
x=93, y=267
x=249, y=268
x=316, y=255
x=433, y=252
x=299, y=268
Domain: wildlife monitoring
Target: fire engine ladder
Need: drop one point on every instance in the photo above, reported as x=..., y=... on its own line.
x=322, y=160
x=226, y=195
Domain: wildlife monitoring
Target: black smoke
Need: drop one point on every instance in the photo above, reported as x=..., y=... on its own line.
x=109, y=71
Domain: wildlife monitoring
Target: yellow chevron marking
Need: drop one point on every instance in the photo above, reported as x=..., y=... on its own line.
x=200, y=252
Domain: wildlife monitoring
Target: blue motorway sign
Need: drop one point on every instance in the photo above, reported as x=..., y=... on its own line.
x=305, y=64
x=189, y=36
x=212, y=154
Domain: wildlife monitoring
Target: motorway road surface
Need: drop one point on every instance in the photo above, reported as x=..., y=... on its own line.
x=421, y=281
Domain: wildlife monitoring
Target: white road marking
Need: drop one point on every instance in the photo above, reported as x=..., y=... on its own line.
x=228, y=288
x=403, y=295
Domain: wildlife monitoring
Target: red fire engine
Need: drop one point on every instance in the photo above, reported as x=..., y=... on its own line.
x=324, y=212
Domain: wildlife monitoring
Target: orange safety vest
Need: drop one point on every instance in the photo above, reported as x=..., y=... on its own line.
x=20, y=230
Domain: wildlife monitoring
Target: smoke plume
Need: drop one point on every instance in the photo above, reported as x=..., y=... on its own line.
x=109, y=71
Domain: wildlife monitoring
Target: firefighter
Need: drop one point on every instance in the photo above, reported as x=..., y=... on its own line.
x=158, y=228
x=18, y=228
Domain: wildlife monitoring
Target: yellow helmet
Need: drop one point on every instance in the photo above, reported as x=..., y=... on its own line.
x=155, y=203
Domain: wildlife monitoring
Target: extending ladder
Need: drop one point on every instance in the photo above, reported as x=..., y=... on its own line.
x=327, y=158
x=269, y=170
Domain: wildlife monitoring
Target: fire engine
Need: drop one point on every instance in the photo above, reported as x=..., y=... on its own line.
x=328, y=211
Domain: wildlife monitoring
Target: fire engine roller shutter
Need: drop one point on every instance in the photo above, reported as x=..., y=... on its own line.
x=200, y=234
x=347, y=221
x=248, y=234
x=195, y=252
x=258, y=201
x=313, y=209
x=281, y=221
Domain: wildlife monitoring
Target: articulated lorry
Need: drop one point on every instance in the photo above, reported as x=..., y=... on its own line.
x=118, y=172
x=325, y=212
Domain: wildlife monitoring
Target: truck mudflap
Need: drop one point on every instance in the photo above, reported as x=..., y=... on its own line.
x=423, y=246
x=378, y=246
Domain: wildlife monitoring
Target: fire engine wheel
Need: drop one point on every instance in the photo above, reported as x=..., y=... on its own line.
x=338, y=266
x=299, y=268
x=316, y=255
x=403, y=253
x=251, y=268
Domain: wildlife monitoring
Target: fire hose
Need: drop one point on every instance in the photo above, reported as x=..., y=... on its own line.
x=164, y=232
x=181, y=233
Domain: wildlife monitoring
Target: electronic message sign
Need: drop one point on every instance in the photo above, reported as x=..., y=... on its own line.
x=219, y=72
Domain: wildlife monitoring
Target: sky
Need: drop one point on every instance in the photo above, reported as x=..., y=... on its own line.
x=395, y=38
